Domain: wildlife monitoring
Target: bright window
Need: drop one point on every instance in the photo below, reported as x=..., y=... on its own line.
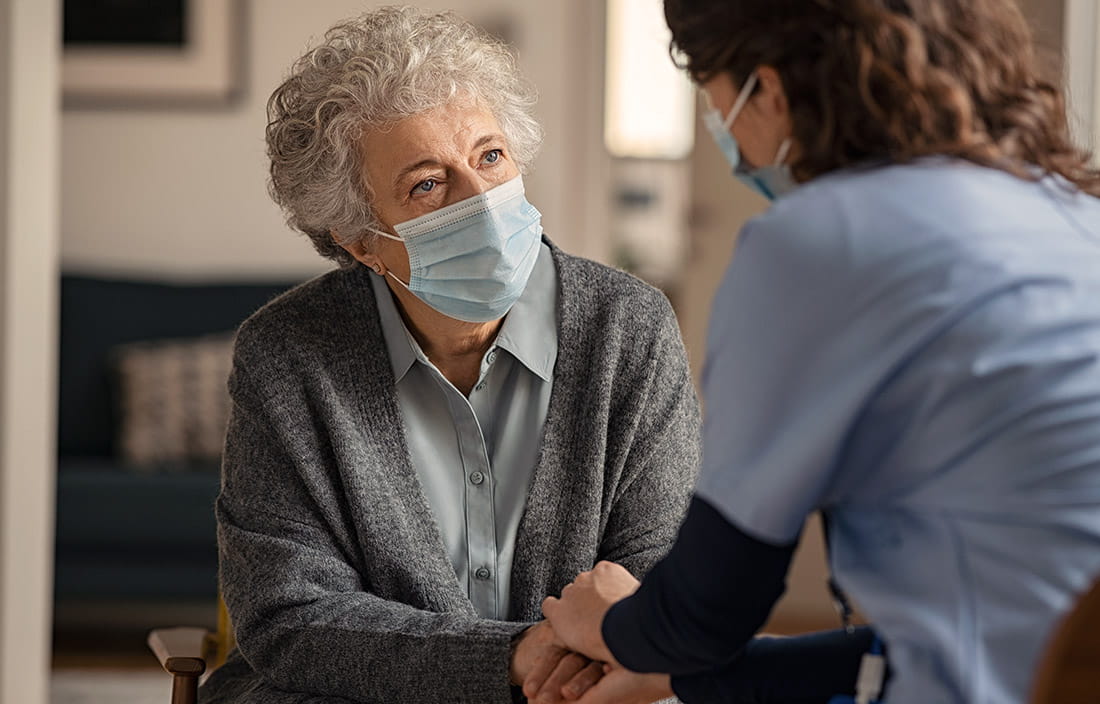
x=649, y=103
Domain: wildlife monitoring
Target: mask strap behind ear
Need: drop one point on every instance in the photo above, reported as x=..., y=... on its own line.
x=398, y=280
x=386, y=235
x=742, y=99
x=784, y=150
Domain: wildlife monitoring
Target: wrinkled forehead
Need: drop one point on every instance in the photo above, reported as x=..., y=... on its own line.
x=442, y=134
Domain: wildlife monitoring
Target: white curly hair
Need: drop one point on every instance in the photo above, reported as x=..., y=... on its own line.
x=369, y=72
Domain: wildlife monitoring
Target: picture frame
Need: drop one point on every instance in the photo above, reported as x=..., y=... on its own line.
x=202, y=69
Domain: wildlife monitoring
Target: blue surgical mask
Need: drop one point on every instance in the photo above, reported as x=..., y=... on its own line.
x=471, y=260
x=769, y=181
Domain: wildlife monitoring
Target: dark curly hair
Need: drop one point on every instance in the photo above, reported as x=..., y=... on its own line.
x=874, y=80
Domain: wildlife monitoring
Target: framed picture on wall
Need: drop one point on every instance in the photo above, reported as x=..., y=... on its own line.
x=149, y=52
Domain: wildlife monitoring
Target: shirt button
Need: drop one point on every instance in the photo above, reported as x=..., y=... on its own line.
x=483, y=573
x=480, y=386
x=492, y=356
x=477, y=478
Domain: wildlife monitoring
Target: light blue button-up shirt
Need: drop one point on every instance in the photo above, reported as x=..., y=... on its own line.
x=916, y=351
x=475, y=456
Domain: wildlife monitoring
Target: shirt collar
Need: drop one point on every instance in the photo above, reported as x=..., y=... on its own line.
x=529, y=332
x=398, y=342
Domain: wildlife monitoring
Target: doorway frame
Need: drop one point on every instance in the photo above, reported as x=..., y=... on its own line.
x=30, y=116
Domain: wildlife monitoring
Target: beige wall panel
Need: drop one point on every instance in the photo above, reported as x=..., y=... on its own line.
x=28, y=252
x=182, y=192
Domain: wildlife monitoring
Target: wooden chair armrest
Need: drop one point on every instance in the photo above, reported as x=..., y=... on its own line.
x=182, y=650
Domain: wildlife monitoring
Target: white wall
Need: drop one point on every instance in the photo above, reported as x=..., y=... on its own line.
x=182, y=192
x=1082, y=54
x=1047, y=22
x=29, y=124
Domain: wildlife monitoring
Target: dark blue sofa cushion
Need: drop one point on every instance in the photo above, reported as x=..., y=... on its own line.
x=106, y=576
x=124, y=535
x=101, y=504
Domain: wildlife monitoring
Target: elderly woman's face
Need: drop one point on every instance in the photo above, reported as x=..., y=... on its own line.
x=429, y=161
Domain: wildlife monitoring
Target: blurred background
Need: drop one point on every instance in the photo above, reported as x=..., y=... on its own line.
x=137, y=232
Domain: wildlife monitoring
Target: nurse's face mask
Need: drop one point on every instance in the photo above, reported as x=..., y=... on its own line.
x=471, y=260
x=769, y=181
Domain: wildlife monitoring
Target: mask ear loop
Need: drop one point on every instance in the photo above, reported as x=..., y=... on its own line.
x=397, y=239
x=386, y=235
x=390, y=273
x=784, y=150
x=742, y=100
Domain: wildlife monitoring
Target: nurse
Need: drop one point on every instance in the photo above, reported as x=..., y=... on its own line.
x=907, y=341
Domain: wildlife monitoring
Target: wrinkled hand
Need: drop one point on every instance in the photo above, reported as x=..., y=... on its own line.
x=577, y=617
x=537, y=646
x=621, y=686
x=569, y=679
x=547, y=670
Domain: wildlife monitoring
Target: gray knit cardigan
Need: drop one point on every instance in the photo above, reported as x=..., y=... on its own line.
x=333, y=568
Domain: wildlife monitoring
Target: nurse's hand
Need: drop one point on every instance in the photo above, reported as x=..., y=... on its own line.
x=621, y=686
x=577, y=617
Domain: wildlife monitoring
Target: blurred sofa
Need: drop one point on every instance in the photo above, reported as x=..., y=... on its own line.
x=126, y=531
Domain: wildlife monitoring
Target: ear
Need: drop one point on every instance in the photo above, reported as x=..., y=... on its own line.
x=772, y=97
x=358, y=249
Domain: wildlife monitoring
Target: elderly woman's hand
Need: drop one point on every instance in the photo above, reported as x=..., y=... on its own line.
x=558, y=681
x=577, y=617
x=547, y=670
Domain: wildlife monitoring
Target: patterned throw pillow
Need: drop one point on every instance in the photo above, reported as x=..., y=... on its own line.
x=173, y=399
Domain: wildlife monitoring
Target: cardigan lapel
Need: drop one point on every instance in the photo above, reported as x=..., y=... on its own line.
x=380, y=411
x=544, y=509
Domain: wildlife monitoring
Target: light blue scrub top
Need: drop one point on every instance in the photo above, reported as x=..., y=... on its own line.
x=914, y=350
x=475, y=456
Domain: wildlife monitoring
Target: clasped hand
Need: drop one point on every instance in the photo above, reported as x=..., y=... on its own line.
x=564, y=658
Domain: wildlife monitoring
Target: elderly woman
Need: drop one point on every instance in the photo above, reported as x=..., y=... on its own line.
x=431, y=439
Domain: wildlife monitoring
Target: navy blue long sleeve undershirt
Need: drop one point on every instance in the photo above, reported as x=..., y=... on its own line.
x=700, y=605
x=806, y=669
x=697, y=611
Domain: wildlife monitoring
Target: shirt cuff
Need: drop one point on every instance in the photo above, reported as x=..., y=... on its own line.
x=623, y=635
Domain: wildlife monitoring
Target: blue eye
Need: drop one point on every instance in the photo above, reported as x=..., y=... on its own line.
x=492, y=157
x=425, y=186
